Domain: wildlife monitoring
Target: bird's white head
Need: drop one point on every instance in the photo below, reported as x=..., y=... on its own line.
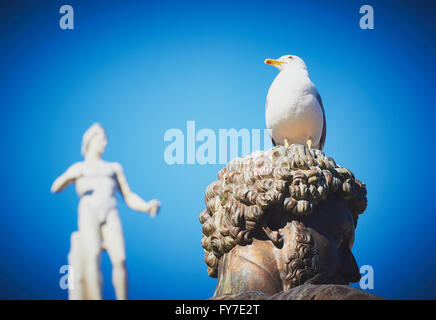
x=287, y=62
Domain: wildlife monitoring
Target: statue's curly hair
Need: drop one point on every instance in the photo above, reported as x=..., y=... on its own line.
x=285, y=181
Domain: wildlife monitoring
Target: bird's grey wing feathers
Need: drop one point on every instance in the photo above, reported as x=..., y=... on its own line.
x=324, y=125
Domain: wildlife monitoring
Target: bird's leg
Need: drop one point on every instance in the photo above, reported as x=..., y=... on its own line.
x=309, y=143
x=286, y=143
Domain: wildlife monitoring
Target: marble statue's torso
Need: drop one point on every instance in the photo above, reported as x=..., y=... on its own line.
x=97, y=186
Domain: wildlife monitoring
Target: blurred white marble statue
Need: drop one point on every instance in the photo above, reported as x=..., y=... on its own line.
x=99, y=225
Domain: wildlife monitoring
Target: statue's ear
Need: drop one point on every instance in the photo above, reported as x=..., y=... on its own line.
x=348, y=267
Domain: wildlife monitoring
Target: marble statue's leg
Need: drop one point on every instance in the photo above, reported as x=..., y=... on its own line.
x=75, y=276
x=89, y=229
x=113, y=240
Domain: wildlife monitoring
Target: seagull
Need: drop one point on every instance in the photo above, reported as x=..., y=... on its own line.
x=294, y=112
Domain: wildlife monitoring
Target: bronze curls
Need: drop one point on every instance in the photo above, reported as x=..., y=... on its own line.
x=287, y=181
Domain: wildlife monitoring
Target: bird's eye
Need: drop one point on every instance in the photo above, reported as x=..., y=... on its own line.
x=290, y=57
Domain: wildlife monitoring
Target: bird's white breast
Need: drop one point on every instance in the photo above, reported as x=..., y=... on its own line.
x=293, y=111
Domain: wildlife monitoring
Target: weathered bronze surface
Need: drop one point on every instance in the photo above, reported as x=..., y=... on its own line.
x=306, y=292
x=280, y=223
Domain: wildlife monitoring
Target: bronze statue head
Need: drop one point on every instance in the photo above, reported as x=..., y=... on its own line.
x=280, y=218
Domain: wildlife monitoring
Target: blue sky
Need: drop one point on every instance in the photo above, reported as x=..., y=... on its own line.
x=141, y=68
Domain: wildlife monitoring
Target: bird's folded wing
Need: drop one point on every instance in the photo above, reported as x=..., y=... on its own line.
x=324, y=125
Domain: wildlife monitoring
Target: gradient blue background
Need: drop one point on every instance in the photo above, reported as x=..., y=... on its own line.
x=142, y=67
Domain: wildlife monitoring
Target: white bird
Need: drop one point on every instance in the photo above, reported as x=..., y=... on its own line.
x=294, y=112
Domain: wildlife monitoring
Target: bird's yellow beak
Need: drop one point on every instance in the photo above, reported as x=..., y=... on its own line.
x=273, y=62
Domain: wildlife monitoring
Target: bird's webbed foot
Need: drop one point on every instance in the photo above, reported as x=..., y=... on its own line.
x=309, y=143
x=286, y=143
